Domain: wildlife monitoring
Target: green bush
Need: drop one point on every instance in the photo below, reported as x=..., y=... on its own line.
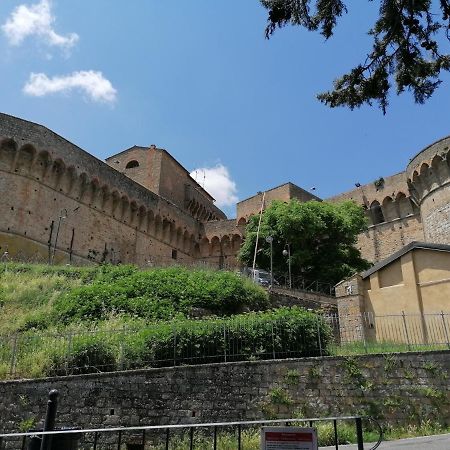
x=158, y=294
x=86, y=354
x=286, y=332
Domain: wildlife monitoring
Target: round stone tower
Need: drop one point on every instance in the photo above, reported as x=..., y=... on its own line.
x=429, y=184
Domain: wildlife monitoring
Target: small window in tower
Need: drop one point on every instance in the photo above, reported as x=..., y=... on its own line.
x=132, y=164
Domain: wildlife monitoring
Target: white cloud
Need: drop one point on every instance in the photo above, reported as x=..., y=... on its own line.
x=217, y=181
x=93, y=84
x=36, y=20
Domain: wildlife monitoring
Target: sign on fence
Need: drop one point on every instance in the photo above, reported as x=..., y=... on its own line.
x=288, y=438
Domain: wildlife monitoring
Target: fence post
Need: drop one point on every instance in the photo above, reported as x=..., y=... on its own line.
x=12, y=370
x=445, y=329
x=174, y=345
x=359, y=433
x=68, y=351
x=406, y=330
x=273, y=344
x=318, y=336
x=225, y=342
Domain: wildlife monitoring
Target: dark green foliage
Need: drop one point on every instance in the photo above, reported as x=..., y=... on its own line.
x=286, y=332
x=158, y=294
x=88, y=354
x=322, y=238
x=407, y=37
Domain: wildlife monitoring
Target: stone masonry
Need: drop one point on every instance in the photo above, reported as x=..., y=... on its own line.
x=398, y=388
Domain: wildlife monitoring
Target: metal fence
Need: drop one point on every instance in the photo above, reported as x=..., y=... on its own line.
x=37, y=354
x=392, y=332
x=238, y=435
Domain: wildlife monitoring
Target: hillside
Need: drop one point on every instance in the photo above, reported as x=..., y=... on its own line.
x=66, y=320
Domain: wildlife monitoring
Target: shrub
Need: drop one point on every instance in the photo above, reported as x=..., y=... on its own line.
x=158, y=294
x=88, y=354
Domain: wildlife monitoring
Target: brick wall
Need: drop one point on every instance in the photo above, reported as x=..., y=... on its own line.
x=398, y=387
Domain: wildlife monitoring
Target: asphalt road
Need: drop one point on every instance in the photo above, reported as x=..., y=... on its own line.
x=441, y=442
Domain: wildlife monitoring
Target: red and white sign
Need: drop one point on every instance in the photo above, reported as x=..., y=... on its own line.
x=288, y=438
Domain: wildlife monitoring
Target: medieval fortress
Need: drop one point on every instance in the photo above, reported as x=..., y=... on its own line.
x=141, y=206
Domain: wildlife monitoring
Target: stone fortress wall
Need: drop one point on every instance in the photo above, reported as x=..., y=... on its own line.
x=142, y=206
x=109, y=217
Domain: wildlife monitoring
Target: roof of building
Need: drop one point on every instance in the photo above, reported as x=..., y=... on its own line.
x=415, y=245
x=280, y=186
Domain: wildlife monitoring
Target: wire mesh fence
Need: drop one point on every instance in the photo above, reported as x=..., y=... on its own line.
x=37, y=354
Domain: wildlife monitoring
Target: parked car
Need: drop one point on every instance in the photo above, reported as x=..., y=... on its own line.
x=261, y=277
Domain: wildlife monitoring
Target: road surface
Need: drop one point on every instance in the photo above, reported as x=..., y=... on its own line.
x=441, y=442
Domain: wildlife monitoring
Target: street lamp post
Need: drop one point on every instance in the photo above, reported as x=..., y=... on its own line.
x=269, y=239
x=62, y=215
x=288, y=254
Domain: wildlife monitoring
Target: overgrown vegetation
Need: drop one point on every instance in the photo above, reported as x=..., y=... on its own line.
x=43, y=297
x=82, y=320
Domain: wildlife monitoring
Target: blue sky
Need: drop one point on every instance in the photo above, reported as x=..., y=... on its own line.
x=198, y=79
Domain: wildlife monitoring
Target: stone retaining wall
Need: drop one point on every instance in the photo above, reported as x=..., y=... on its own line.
x=398, y=387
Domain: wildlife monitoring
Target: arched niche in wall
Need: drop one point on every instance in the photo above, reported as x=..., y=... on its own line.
x=226, y=245
x=389, y=209
x=27, y=154
x=376, y=213
x=404, y=205
x=56, y=174
x=215, y=246
x=43, y=163
x=204, y=247
x=8, y=149
x=236, y=242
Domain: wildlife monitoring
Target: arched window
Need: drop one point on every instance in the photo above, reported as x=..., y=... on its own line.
x=132, y=164
x=377, y=213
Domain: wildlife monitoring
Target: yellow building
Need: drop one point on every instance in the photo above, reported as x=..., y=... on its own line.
x=404, y=298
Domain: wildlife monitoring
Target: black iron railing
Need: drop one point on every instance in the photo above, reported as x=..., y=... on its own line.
x=189, y=436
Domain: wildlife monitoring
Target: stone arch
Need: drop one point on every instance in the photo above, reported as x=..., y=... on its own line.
x=125, y=209
x=173, y=234
x=404, y=205
x=43, y=163
x=142, y=216
x=376, y=213
x=236, y=242
x=158, y=227
x=186, y=238
x=166, y=230
x=389, y=209
x=216, y=249
x=106, y=198
x=204, y=247
x=56, y=174
x=115, y=204
x=132, y=164
x=424, y=174
x=150, y=222
x=242, y=222
x=68, y=180
x=192, y=245
x=179, y=238
x=134, y=213
x=81, y=185
x=226, y=245
x=95, y=198
x=25, y=159
x=440, y=169
x=8, y=152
